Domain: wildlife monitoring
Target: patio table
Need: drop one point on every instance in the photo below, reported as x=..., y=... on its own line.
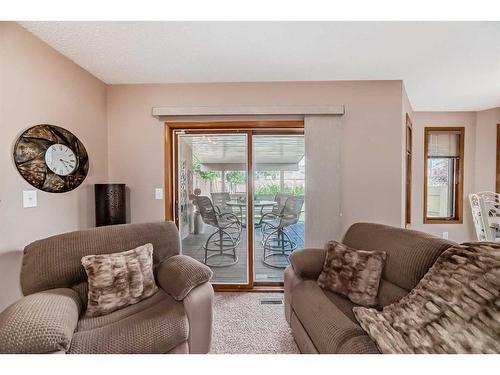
x=257, y=203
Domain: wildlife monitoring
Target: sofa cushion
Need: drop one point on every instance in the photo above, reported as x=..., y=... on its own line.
x=119, y=279
x=410, y=253
x=327, y=326
x=454, y=309
x=342, y=303
x=152, y=326
x=352, y=273
x=389, y=293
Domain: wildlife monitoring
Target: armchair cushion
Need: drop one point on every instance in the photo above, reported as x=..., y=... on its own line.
x=154, y=325
x=179, y=274
x=308, y=263
x=43, y=322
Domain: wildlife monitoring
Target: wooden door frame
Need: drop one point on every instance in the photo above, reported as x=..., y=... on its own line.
x=249, y=128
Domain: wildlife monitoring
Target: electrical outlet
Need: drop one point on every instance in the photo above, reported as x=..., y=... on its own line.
x=445, y=235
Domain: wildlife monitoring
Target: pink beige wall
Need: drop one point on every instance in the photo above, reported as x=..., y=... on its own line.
x=371, y=164
x=39, y=85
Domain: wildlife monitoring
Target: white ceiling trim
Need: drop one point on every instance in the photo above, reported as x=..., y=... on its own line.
x=165, y=112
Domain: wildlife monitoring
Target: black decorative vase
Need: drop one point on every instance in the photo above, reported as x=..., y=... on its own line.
x=110, y=206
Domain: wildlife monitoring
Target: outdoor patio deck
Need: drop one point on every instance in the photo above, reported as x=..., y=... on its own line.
x=192, y=245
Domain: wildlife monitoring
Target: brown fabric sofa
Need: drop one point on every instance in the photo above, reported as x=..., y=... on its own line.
x=51, y=317
x=323, y=321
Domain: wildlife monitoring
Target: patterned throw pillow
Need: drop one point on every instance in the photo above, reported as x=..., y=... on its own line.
x=119, y=279
x=352, y=273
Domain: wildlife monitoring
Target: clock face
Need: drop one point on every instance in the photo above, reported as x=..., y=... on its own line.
x=60, y=159
x=51, y=158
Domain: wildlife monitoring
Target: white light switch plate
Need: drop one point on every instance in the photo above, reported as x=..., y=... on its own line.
x=159, y=193
x=29, y=198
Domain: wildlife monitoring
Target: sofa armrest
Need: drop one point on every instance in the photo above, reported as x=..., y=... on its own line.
x=308, y=263
x=179, y=274
x=42, y=322
x=358, y=344
x=199, y=310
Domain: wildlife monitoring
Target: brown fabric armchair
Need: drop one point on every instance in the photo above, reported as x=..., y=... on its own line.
x=323, y=321
x=51, y=317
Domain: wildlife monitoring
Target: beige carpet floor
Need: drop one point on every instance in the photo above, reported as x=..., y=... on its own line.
x=243, y=326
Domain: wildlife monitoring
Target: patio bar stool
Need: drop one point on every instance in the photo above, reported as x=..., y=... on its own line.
x=220, y=202
x=223, y=242
x=275, y=238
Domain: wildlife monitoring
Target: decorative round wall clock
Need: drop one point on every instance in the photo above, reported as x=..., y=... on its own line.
x=51, y=158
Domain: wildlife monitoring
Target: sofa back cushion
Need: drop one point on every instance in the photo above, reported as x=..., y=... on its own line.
x=410, y=254
x=55, y=262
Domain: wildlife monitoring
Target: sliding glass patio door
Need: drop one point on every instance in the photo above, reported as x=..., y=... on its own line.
x=278, y=190
x=239, y=201
x=211, y=202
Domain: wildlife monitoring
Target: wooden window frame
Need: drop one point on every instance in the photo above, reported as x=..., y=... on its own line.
x=459, y=196
x=249, y=128
x=409, y=157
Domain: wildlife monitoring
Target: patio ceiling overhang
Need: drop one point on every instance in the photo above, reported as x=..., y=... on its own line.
x=242, y=166
x=228, y=152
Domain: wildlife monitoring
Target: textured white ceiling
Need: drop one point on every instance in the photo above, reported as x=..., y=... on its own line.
x=444, y=65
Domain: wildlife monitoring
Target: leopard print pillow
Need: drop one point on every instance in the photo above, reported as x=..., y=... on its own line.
x=119, y=279
x=352, y=273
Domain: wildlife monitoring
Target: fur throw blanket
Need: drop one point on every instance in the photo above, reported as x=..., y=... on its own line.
x=454, y=309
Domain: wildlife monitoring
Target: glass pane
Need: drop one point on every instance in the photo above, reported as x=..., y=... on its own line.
x=440, y=187
x=212, y=203
x=279, y=181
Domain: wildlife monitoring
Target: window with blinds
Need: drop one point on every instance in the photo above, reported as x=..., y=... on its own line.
x=443, y=190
